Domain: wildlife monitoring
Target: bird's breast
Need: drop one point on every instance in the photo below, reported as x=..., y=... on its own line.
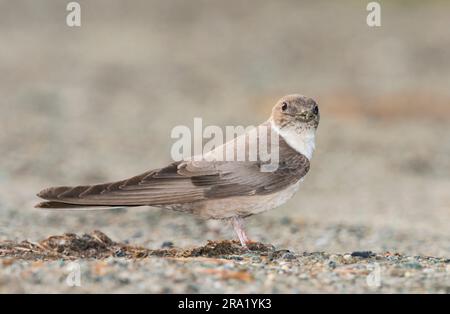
x=239, y=205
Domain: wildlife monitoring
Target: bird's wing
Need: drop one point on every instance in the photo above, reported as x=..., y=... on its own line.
x=185, y=182
x=246, y=178
x=161, y=186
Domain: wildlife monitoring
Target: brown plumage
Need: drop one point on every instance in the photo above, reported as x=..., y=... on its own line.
x=212, y=187
x=183, y=182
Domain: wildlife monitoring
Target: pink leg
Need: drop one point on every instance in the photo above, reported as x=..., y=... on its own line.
x=238, y=225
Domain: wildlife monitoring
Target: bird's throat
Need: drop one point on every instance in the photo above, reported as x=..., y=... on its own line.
x=303, y=141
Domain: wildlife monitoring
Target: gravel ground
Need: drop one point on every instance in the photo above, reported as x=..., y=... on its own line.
x=217, y=267
x=98, y=103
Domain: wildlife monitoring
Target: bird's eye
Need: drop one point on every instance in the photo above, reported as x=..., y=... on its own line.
x=316, y=110
x=284, y=106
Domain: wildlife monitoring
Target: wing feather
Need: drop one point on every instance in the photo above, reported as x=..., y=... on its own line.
x=186, y=182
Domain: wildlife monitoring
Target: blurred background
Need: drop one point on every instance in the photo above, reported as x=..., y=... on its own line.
x=97, y=103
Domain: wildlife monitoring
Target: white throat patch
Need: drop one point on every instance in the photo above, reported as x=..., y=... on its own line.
x=303, y=142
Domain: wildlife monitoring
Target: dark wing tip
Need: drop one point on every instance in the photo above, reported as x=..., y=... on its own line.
x=42, y=193
x=53, y=192
x=42, y=204
x=56, y=205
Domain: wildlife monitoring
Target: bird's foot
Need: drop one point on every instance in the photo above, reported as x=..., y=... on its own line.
x=238, y=225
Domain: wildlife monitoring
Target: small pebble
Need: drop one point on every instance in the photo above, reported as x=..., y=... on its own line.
x=363, y=254
x=303, y=276
x=285, y=220
x=288, y=256
x=413, y=265
x=256, y=259
x=167, y=245
x=119, y=253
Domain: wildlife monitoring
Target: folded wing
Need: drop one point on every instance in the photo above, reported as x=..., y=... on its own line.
x=184, y=182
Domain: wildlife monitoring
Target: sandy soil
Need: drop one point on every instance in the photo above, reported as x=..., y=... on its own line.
x=98, y=103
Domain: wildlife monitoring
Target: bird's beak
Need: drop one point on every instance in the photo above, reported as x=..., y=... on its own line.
x=305, y=116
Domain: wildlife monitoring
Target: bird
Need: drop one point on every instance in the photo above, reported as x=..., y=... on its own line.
x=214, y=187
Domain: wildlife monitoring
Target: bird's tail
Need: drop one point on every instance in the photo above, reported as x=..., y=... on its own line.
x=62, y=205
x=66, y=197
x=156, y=187
x=85, y=196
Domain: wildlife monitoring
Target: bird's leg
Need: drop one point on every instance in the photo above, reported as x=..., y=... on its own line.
x=238, y=225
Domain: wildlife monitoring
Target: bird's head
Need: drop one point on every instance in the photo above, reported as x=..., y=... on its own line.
x=296, y=112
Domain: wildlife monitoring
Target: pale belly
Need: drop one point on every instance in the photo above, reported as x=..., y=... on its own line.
x=237, y=206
